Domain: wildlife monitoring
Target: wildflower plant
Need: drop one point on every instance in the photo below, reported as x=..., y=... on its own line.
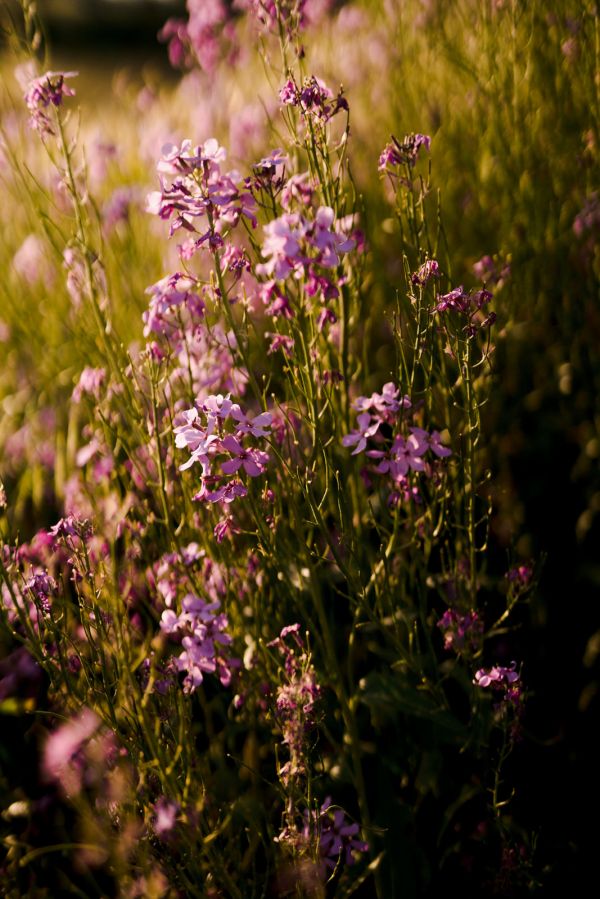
x=262, y=614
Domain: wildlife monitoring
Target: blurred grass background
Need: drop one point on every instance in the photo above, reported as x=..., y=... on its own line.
x=510, y=93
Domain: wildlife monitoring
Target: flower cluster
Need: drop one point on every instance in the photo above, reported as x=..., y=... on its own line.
x=200, y=37
x=201, y=630
x=302, y=248
x=289, y=14
x=296, y=700
x=199, y=190
x=403, y=153
x=505, y=681
x=174, y=306
x=337, y=837
x=407, y=449
x=314, y=100
x=461, y=632
x=469, y=305
x=430, y=269
x=204, y=432
x=47, y=90
x=520, y=577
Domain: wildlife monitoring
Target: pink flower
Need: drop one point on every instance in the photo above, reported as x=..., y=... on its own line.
x=90, y=382
x=30, y=261
x=280, y=342
x=165, y=819
x=60, y=760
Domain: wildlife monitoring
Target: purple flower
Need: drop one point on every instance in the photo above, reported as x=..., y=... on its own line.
x=337, y=837
x=296, y=700
x=253, y=461
x=225, y=528
x=174, y=302
x=295, y=245
x=288, y=94
x=268, y=166
x=405, y=153
x=258, y=426
x=202, y=632
x=47, y=90
x=367, y=427
x=71, y=527
x=287, y=14
x=199, y=190
x=297, y=190
x=406, y=454
x=432, y=441
x=460, y=631
x=41, y=586
x=430, y=269
x=520, y=576
x=280, y=342
x=385, y=404
x=226, y=493
x=497, y=677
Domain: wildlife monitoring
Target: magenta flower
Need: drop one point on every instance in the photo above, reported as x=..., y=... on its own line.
x=407, y=454
x=283, y=239
x=295, y=245
x=296, y=700
x=224, y=528
x=288, y=94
